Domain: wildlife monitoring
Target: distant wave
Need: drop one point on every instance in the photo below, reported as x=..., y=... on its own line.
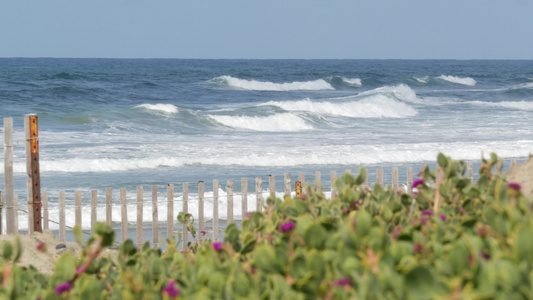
x=160, y=108
x=255, y=85
x=284, y=122
x=458, y=80
x=422, y=80
x=352, y=81
x=519, y=105
x=383, y=102
x=523, y=86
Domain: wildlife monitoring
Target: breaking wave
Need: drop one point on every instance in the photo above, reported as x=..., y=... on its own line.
x=255, y=85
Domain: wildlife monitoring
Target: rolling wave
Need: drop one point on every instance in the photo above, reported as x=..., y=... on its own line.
x=159, y=108
x=284, y=122
x=255, y=85
x=385, y=102
x=458, y=80
x=517, y=105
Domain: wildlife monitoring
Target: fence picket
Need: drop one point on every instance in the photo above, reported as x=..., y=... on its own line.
x=185, y=210
x=140, y=221
x=170, y=210
x=155, y=221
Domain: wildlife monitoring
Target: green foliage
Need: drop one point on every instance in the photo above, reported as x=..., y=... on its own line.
x=363, y=244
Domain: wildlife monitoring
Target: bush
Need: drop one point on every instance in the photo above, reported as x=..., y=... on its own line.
x=452, y=239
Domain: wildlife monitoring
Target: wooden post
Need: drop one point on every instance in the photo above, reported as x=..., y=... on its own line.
x=318, y=182
x=272, y=185
x=140, y=221
x=301, y=178
x=170, y=210
x=244, y=197
x=1, y=205
x=230, y=200
x=365, y=183
x=259, y=194
x=348, y=171
x=32, y=168
x=30, y=207
x=109, y=207
x=379, y=177
x=77, y=208
x=298, y=189
x=395, y=182
x=124, y=214
x=200, y=208
x=185, y=210
x=410, y=180
x=16, y=209
x=155, y=221
x=215, y=210
x=94, y=205
x=45, y=211
x=8, y=175
x=470, y=171
x=287, y=184
x=333, y=176
x=62, y=230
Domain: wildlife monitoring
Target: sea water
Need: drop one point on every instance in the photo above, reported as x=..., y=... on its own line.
x=121, y=123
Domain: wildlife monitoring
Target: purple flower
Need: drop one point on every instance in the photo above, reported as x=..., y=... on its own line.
x=418, y=247
x=345, y=281
x=417, y=182
x=203, y=232
x=427, y=213
x=287, y=226
x=485, y=255
x=64, y=287
x=41, y=246
x=442, y=217
x=515, y=186
x=171, y=289
x=218, y=246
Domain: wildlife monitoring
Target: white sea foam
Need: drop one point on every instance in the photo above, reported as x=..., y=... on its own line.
x=522, y=86
x=255, y=85
x=160, y=108
x=422, y=80
x=519, y=105
x=284, y=122
x=458, y=80
x=378, y=103
x=352, y=81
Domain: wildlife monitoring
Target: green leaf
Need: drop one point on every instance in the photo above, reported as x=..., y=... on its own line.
x=231, y=234
x=362, y=222
x=315, y=236
x=265, y=259
x=361, y=176
x=18, y=249
x=78, y=234
x=443, y=160
x=524, y=243
x=105, y=232
x=7, y=250
x=419, y=282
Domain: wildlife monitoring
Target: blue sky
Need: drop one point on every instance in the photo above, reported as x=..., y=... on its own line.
x=310, y=29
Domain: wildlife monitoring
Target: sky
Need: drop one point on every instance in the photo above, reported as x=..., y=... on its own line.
x=270, y=29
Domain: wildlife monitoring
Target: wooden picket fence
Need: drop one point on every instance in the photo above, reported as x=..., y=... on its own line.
x=171, y=200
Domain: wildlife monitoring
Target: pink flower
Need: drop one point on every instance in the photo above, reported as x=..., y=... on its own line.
x=64, y=287
x=287, y=226
x=171, y=289
x=442, y=217
x=418, y=247
x=41, y=246
x=515, y=186
x=427, y=213
x=203, y=232
x=345, y=281
x=218, y=246
x=417, y=182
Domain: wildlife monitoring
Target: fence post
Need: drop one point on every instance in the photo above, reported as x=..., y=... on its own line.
x=186, y=211
x=77, y=207
x=244, y=197
x=16, y=210
x=272, y=185
x=365, y=183
x=8, y=175
x=287, y=185
x=109, y=203
x=470, y=171
x=230, y=200
x=140, y=221
x=170, y=210
x=395, y=182
x=410, y=180
x=215, y=210
x=301, y=178
x=62, y=230
x=200, y=208
x=155, y=221
x=124, y=214
x=318, y=181
x=333, y=178
x=45, y=211
x=379, y=177
x=30, y=206
x=259, y=194
x=94, y=205
x=32, y=168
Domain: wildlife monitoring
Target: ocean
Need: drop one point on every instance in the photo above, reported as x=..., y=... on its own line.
x=123, y=123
